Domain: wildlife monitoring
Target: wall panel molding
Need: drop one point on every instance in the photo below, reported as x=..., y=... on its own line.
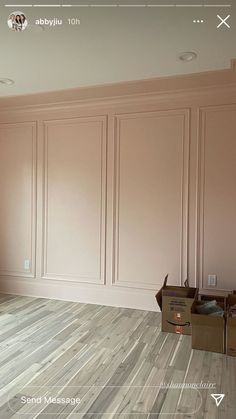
x=24, y=132
x=202, y=164
x=184, y=116
x=112, y=116
x=100, y=125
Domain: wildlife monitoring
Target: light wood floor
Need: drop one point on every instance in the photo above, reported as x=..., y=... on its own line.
x=116, y=361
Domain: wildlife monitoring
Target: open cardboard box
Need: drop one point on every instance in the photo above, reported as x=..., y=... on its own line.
x=208, y=332
x=231, y=327
x=175, y=303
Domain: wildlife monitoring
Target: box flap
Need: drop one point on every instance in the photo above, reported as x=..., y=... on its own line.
x=159, y=294
x=175, y=291
x=186, y=283
x=231, y=300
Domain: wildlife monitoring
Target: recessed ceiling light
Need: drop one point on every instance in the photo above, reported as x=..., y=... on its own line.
x=7, y=82
x=187, y=56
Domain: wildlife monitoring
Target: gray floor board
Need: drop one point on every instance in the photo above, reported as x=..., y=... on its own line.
x=115, y=360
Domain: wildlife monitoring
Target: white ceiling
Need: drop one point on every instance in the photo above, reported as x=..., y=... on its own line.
x=112, y=44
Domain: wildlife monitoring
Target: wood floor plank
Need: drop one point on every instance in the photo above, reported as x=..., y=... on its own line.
x=115, y=360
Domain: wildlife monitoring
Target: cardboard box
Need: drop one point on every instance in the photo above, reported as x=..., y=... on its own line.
x=231, y=328
x=208, y=332
x=209, y=295
x=175, y=303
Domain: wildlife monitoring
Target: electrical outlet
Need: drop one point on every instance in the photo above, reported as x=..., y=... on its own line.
x=27, y=264
x=212, y=280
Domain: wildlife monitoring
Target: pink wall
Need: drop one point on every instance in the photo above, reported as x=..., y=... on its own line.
x=104, y=195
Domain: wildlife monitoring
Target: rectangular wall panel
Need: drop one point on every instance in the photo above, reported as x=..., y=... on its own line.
x=17, y=199
x=217, y=191
x=75, y=197
x=151, y=198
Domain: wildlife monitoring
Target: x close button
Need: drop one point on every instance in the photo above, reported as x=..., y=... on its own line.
x=223, y=21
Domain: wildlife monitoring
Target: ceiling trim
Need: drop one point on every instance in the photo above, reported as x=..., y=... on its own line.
x=162, y=86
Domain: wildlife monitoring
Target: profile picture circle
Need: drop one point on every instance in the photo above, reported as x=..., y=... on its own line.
x=17, y=21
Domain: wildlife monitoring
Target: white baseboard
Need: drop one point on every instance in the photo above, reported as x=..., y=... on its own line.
x=83, y=293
